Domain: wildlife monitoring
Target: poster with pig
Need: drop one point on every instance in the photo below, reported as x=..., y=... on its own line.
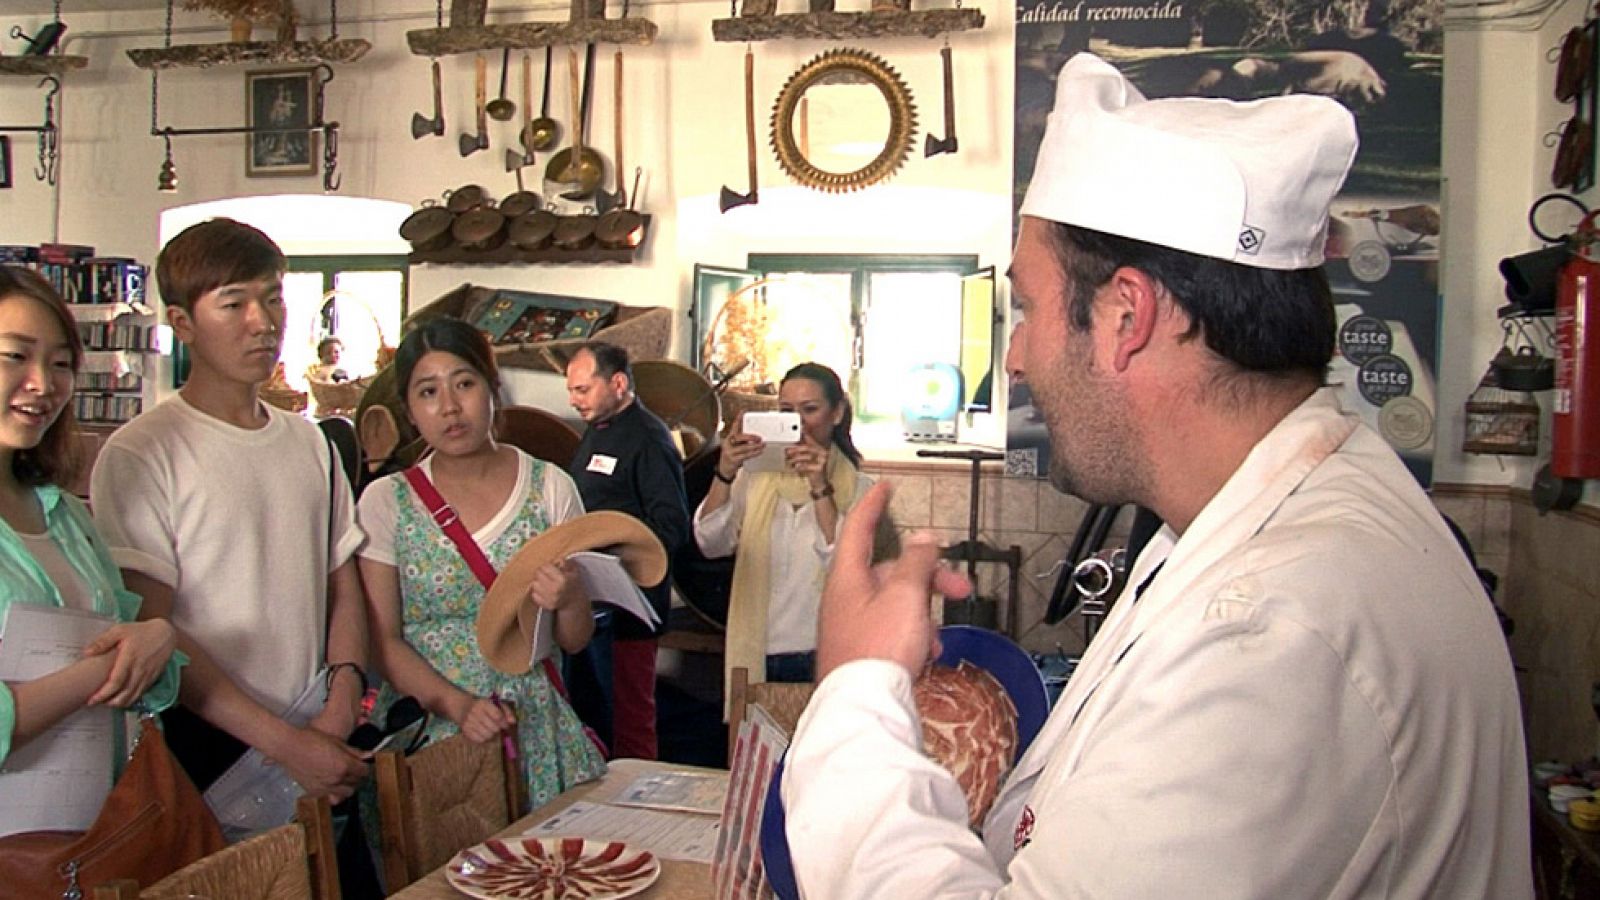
x=1383, y=60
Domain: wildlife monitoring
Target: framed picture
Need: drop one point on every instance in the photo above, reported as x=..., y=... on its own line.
x=5, y=161
x=282, y=99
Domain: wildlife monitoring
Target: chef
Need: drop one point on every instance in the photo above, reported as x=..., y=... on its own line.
x=1303, y=692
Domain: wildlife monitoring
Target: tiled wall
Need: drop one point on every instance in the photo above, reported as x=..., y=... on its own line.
x=1549, y=568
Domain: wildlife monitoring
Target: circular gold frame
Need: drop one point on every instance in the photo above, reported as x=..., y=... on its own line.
x=829, y=66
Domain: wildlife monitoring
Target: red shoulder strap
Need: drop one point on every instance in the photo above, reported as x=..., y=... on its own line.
x=450, y=523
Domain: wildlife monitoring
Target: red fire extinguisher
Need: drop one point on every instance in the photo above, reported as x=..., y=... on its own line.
x=1575, y=417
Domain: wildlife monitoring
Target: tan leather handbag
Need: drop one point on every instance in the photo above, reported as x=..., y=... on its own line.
x=153, y=823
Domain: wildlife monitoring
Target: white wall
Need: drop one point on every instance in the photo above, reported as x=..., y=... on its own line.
x=685, y=126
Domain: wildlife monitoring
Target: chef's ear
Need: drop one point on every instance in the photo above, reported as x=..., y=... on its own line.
x=1133, y=302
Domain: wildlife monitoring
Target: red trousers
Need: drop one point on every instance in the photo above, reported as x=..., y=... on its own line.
x=633, y=717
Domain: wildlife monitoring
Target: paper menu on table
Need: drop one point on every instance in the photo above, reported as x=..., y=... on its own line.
x=668, y=835
x=737, y=871
x=677, y=792
x=58, y=780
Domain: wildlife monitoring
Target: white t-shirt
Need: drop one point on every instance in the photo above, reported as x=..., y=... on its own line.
x=378, y=513
x=236, y=521
x=800, y=557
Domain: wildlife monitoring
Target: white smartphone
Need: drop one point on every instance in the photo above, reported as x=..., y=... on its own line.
x=779, y=430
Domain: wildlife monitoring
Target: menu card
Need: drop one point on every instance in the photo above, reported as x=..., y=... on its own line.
x=737, y=872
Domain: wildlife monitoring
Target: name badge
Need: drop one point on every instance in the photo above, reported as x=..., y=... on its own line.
x=603, y=464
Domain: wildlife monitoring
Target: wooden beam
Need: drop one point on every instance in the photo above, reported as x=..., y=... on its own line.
x=835, y=26
x=40, y=65
x=204, y=56
x=529, y=35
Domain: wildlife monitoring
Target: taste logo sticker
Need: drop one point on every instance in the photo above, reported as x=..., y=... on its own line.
x=1383, y=378
x=1364, y=337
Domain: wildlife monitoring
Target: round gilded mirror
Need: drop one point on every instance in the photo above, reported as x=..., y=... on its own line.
x=843, y=121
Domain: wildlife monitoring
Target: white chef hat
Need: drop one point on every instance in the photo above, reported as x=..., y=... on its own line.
x=1246, y=182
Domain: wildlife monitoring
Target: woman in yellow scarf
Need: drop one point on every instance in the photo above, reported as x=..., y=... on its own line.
x=783, y=525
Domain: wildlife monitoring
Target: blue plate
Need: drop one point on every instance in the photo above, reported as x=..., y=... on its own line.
x=988, y=650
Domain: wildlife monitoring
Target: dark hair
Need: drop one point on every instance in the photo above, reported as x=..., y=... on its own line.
x=1268, y=322
x=448, y=336
x=56, y=458
x=327, y=342
x=833, y=392
x=609, y=359
x=211, y=254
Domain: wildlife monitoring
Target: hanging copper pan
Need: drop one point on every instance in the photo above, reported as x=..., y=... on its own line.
x=519, y=203
x=428, y=227
x=468, y=196
x=533, y=230
x=483, y=228
x=575, y=232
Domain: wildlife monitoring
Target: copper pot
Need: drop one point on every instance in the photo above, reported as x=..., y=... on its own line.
x=428, y=227
x=623, y=227
x=483, y=228
x=533, y=230
x=519, y=203
x=575, y=232
x=466, y=197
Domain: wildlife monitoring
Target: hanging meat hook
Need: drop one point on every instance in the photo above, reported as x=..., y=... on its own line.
x=49, y=134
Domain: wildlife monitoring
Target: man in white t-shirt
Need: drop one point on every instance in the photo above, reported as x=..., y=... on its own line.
x=232, y=519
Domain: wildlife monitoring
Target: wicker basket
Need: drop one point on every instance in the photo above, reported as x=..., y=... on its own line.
x=284, y=397
x=338, y=397
x=736, y=402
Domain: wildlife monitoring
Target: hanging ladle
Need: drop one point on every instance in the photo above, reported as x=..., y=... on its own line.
x=540, y=134
x=500, y=108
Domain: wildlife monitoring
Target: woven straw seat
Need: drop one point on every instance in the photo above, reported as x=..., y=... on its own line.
x=292, y=862
x=783, y=701
x=442, y=799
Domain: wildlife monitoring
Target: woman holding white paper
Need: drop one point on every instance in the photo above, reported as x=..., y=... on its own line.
x=50, y=554
x=423, y=594
x=783, y=525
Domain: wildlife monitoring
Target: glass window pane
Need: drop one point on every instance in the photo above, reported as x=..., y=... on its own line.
x=912, y=318
x=302, y=295
x=796, y=317
x=365, y=316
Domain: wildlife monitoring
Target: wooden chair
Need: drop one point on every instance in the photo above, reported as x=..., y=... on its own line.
x=442, y=799
x=292, y=862
x=784, y=702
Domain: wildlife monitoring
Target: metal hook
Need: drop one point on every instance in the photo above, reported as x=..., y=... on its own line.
x=49, y=143
x=330, y=158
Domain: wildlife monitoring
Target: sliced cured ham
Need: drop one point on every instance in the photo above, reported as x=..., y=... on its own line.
x=969, y=726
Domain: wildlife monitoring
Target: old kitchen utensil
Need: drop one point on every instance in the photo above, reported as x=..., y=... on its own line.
x=422, y=127
x=933, y=146
x=483, y=228
x=428, y=227
x=605, y=202
x=533, y=230
x=574, y=232
x=500, y=109
x=623, y=226
x=519, y=203
x=578, y=166
x=541, y=134
x=731, y=198
x=514, y=160
x=464, y=198
x=472, y=143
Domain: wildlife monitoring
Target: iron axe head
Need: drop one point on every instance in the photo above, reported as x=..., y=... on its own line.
x=515, y=160
x=472, y=143
x=934, y=146
x=422, y=126
x=731, y=198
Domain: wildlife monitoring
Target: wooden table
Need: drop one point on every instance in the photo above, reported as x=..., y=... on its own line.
x=679, y=880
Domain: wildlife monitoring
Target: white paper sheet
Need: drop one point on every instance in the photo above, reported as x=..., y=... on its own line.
x=60, y=779
x=669, y=835
x=255, y=794
x=607, y=582
x=691, y=792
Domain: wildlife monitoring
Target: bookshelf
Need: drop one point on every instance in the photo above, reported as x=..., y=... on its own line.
x=106, y=295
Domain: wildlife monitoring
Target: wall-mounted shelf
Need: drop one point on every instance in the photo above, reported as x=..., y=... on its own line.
x=835, y=26
x=205, y=56
x=508, y=253
x=529, y=35
x=41, y=65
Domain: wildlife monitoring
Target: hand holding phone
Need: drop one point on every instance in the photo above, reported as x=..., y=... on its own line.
x=778, y=432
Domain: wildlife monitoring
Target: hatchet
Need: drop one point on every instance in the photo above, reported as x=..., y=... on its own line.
x=934, y=146
x=472, y=143
x=731, y=198
x=421, y=126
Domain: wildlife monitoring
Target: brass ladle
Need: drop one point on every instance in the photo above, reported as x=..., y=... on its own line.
x=540, y=134
x=500, y=108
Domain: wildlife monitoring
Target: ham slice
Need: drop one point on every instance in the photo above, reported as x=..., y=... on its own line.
x=969, y=726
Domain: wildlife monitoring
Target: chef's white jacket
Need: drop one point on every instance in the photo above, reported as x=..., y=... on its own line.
x=1311, y=698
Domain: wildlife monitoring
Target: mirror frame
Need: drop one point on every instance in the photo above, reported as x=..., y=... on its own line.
x=875, y=72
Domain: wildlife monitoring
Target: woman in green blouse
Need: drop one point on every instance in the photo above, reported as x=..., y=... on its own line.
x=49, y=552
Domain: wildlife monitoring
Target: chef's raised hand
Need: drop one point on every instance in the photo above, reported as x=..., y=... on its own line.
x=882, y=612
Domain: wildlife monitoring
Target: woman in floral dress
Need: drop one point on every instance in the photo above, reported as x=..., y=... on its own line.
x=423, y=598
